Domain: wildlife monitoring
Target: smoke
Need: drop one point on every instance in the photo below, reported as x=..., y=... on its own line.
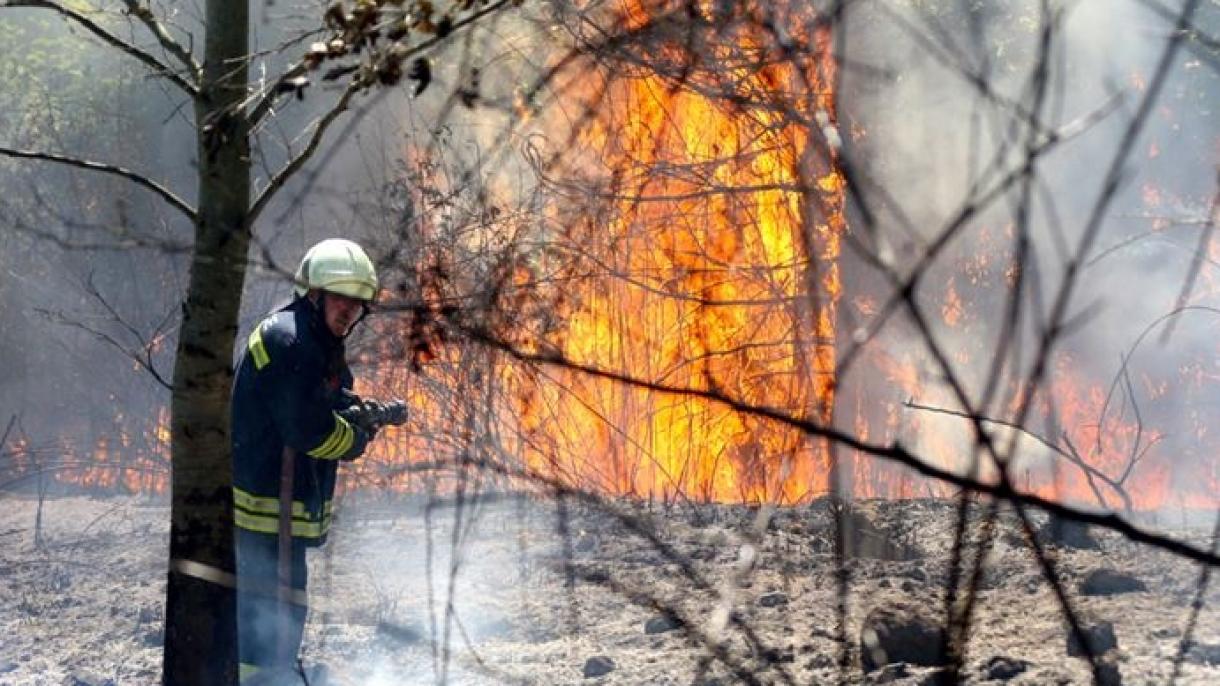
x=73, y=300
x=434, y=578
x=922, y=133
x=937, y=96
x=76, y=300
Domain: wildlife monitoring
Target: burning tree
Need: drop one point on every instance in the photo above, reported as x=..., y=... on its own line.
x=714, y=276
x=691, y=232
x=728, y=295
x=702, y=219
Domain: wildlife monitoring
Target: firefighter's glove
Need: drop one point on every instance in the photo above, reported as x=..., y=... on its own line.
x=371, y=415
x=362, y=415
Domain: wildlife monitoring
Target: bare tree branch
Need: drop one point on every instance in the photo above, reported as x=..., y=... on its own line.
x=893, y=452
x=110, y=39
x=139, y=179
x=324, y=122
x=363, y=78
x=142, y=353
x=146, y=345
x=1071, y=455
x=1204, y=45
x=1114, y=173
x=1196, y=264
x=262, y=102
x=104, y=337
x=171, y=45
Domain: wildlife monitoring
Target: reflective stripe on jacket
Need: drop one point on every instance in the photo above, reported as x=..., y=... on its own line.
x=290, y=380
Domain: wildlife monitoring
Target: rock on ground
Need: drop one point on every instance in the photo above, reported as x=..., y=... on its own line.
x=1105, y=581
x=1203, y=654
x=902, y=632
x=1066, y=533
x=775, y=599
x=598, y=665
x=1000, y=668
x=1100, y=638
x=660, y=625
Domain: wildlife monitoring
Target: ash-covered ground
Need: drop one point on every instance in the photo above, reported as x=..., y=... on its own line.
x=515, y=590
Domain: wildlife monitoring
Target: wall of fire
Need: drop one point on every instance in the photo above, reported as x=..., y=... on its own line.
x=699, y=234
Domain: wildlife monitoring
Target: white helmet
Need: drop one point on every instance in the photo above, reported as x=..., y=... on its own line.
x=337, y=265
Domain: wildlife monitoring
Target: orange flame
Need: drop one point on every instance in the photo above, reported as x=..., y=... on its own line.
x=703, y=283
x=712, y=264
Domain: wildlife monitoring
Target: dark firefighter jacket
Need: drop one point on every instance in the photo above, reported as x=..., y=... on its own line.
x=291, y=379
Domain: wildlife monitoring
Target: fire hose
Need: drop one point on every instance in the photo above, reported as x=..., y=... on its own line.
x=370, y=416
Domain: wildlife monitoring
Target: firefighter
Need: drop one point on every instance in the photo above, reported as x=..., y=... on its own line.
x=291, y=388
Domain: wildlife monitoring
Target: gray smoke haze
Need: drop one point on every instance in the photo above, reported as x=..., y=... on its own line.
x=63, y=284
x=68, y=279
x=74, y=292
x=931, y=139
x=920, y=131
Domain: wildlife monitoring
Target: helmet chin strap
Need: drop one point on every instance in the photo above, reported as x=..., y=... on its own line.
x=364, y=312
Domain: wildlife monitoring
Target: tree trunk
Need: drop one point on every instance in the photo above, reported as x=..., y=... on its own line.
x=200, y=645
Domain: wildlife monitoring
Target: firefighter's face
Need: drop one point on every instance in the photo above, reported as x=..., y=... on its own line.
x=340, y=313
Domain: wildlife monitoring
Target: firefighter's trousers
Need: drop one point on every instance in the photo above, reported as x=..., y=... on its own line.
x=268, y=632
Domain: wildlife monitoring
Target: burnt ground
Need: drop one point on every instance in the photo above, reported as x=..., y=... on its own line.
x=83, y=604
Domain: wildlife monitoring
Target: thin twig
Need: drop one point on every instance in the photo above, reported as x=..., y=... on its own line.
x=1196, y=607
x=1196, y=263
x=161, y=32
x=110, y=39
x=139, y=179
x=893, y=452
x=1069, y=455
x=277, y=182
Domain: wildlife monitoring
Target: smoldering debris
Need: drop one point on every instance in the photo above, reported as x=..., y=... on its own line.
x=492, y=594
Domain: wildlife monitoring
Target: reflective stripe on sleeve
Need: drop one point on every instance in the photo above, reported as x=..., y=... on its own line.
x=337, y=443
x=257, y=350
